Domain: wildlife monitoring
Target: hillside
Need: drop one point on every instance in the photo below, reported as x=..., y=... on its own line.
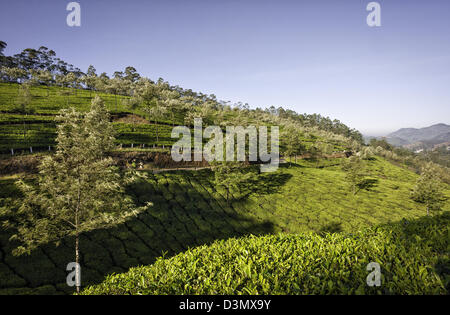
x=310, y=195
x=34, y=126
x=37, y=128
x=189, y=210
x=410, y=253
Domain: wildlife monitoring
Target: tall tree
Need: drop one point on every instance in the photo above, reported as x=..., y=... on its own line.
x=157, y=110
x=354, y=168
x=78, y=188
x=131, y=74
x=230, y=176
x=2, y=47
x=429, y=189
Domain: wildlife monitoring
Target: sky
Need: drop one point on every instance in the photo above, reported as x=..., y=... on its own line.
x=311, y=56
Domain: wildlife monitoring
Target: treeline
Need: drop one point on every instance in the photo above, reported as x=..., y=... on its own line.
x=155, y=98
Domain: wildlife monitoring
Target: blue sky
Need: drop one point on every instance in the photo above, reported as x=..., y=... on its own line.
x=312, y=56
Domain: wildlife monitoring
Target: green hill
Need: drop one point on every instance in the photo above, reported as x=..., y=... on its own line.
x=33, y=125
x=189, y=210
x=37, y=129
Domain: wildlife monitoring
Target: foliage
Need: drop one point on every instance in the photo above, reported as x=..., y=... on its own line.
x=230, y=176
x=355, y=172
x=77, y=190
x=190, y=210
x=429, y=189
x=409, y=254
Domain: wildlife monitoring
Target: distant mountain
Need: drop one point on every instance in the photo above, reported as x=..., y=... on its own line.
x=396, y=141
x=412, y=135
x=422, y=138
x=443, y=137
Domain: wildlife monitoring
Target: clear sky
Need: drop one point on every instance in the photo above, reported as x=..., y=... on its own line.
x=312, y=56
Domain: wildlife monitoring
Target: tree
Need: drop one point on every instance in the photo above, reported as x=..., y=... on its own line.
x=115, y=86
x=23, y=100
x=131, y=74
x=149, y=94
x=42, y=77
x=101, y=82
x=354, y=169
x=132, y=104
x=15, y=74
x=429, y=189
x=292, y=142
x=2, y=47
x=78, y=188
x=72, y=81
x=229, y=176
x=90, y=79
x=171, y=102
x=157, y=110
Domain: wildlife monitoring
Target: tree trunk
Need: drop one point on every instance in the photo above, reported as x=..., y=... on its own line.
x=77, y=260
x=77, y=242
x=428, y=211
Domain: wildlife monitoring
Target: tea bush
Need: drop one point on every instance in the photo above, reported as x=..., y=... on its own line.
x=408, y=253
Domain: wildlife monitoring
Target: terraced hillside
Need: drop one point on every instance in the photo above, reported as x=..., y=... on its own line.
x=36, y=126
x=311, y=196
x=33, y=125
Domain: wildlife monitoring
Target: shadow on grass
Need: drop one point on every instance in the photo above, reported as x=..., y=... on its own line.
x=186, y=212
x=368, y=184
x=333, y=227
x=264, y=183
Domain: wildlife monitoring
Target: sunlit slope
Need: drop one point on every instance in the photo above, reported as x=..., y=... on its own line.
x=189, y=211
x=34, y=125
x=411, y=256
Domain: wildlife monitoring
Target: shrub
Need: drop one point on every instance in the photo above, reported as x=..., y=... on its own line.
x=410, y=255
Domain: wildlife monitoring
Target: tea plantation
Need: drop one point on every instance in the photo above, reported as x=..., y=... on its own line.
x=412, y=256
x=279, y=233
x=36, y=126
x=189, y=210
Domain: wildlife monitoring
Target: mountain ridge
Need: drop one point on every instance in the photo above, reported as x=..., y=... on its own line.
x=420, y=138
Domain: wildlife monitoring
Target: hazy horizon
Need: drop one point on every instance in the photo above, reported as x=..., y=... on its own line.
x=308, y=56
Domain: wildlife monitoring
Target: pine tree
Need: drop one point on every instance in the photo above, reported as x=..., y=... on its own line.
x=78, y=188
x=354, y=169
x=429, y=189
x=229, y=176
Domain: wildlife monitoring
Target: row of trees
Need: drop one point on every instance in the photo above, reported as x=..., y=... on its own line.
x=42, y=67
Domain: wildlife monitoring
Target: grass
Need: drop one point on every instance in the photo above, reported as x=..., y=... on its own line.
x=188, y=211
